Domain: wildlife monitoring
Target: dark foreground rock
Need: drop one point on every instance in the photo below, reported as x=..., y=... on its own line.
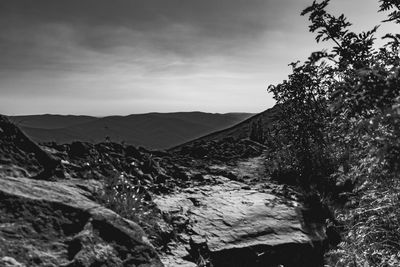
x=56, y=224
x=230, y=224
x=20, y=156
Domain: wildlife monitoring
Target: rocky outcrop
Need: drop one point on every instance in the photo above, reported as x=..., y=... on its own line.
x=231, y=224
x=56, y=224
x=20, y=156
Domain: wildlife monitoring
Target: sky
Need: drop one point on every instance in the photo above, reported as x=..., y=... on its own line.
x=119, y=57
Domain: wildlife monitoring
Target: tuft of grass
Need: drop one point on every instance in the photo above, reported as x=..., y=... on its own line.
x=125, y=198
x=133, y=202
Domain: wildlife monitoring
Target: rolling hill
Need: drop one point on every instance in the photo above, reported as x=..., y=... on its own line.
x=151, y=130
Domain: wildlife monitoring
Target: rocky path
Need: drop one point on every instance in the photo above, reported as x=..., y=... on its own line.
x=252, y=168
x=230, y=223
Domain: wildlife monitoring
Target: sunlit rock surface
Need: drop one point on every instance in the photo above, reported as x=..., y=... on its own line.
x=240, y=226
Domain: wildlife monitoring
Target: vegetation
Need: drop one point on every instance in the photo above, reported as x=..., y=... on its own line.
x=133, y=202
x=257, y=132
x=340, y=125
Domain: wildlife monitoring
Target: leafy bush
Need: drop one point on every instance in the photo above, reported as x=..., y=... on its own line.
x=340, y=122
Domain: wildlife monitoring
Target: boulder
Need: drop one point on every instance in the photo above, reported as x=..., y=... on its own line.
x=56, y=224
x=236, y=226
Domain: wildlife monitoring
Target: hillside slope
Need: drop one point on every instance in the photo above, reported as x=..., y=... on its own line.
x=238, y=131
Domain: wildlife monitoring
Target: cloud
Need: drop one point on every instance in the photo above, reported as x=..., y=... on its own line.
x=95, y=20
x=172, y=53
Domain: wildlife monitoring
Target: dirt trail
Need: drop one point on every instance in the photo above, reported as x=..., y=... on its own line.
x=252, y=169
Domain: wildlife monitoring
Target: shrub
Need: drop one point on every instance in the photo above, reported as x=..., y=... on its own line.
x=340, y=122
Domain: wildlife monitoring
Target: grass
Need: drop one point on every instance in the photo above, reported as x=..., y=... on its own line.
x=133, y=202
x=372, y=227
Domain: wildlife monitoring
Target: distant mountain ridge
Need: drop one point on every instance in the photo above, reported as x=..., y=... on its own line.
x=151, y=130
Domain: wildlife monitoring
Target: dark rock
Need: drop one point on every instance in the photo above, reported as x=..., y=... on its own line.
x=55, y=224
x=149, y=165
x=180, y=173
x=333, y=235
x=198, y=177
x=19, y=150
x=79, y=149
x=161, y=178
x=179, y=221
x=132, y=151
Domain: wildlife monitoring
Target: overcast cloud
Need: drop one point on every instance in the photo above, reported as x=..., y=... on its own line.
x=102, y=57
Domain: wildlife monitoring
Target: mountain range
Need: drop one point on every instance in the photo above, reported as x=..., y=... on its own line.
x=151, y=130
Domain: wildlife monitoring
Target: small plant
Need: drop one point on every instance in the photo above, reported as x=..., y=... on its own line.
x=133, y=202
x=122, y=196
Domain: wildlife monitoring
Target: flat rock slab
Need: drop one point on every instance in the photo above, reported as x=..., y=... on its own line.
x=56, y=224
x=241, y=226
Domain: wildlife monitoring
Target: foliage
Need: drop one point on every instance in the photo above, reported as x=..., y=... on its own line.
x=340, y=121
x=257, y=132
x=372, y=236
x=303, y=114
